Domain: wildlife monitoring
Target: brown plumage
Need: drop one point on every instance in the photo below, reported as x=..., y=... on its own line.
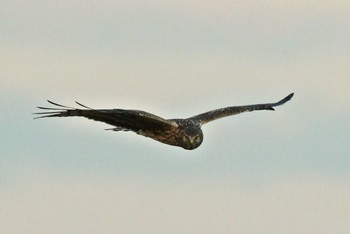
x=185, y=133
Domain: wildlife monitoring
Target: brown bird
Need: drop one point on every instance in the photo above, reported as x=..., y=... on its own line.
x=185, y=133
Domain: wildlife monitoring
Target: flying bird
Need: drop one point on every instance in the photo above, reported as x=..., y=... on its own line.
x=185, y=133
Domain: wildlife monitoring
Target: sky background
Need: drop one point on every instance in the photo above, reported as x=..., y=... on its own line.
x=286, y=171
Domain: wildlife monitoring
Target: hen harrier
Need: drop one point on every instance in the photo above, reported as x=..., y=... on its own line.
x=185, y=133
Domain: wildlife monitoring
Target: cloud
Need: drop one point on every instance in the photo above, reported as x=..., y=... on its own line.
x=81, y=205
x=124, y=26
x=176, y=58
x=157, y=50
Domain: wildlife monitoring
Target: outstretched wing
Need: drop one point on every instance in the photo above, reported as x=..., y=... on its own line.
x=234, y=110
x=127, y=120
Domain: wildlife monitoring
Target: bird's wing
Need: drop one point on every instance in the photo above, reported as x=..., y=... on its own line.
x=234, y=110
x=133, y=120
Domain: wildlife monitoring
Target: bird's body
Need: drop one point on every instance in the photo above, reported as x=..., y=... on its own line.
x=177, y=136
x=185, y=133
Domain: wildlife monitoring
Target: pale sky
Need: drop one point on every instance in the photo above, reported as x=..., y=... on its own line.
x=263, y=172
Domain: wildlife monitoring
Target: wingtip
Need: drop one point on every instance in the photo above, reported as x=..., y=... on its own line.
x=284, y=100
x=83, y=105
x=38, y=117
x=289, y=97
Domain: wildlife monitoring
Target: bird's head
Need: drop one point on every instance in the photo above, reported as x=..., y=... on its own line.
x=191, y=139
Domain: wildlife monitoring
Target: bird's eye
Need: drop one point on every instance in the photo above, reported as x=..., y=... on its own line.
x=197, y=138
x=185, y=138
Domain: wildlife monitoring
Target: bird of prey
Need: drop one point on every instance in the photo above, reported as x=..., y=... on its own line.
x=185, y=133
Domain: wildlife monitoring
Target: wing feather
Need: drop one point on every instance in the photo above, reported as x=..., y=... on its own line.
x=133, y=120
x=234, y=110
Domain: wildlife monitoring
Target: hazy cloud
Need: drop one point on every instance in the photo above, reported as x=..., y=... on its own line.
x=298, y=205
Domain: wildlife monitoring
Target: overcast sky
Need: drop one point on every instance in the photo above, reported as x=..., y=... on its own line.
x=263, y=172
